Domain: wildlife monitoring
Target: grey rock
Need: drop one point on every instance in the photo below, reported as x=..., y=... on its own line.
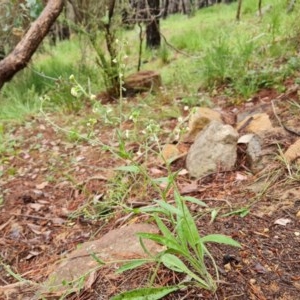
x=253, y=149
x=215, y=148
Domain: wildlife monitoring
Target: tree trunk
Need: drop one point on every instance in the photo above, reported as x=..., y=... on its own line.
x=166, y=9
x=22, y=53
x=259, y=8
x=238, y=12
x=152, y=28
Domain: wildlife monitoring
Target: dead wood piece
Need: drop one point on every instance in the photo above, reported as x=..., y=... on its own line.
x=142, y=81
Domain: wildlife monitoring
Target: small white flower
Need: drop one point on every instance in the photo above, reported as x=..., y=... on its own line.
x=180, y=119
x=74, y=92
x=115, y=60
x=93, y=97
x=186, y=108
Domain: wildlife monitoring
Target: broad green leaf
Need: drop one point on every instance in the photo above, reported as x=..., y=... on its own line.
x=174, y=263
x=221, y=239
x=168, y=242
x=182, y=233
x=190, y=227
x=187, y=228
x=131, y=169
x=163, y=228
x=154, y=209
x=242, y=212
x=168, y=207
x=132, y=265
x=194, y=200
x=177, y=198
x=146, y=293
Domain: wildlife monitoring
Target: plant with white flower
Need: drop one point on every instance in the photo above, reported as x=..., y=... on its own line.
x=134, y=116
x=91, y=126
x=153, y=129
x=77, y=90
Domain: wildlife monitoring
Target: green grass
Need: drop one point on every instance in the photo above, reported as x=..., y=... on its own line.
x=214, y=51
x=48, y=74
x=244, y=56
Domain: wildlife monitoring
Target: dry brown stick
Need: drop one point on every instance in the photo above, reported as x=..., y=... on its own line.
x=281, y=123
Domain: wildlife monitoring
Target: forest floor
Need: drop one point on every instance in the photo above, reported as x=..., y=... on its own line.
x=50, y=186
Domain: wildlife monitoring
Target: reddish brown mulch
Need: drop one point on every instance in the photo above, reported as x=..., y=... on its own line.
x=47, y=179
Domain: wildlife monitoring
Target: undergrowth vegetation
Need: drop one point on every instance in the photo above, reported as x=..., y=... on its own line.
x=201, y=56
x=213, y=51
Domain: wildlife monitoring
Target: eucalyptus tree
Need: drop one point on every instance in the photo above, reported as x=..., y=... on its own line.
x=30, y=41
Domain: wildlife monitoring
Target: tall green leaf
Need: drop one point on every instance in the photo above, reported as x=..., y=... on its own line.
x=194, y=200
x=131, y=169
x=172, y=244
x=146, y=293
x=221, y=239
x=174, y=263
x=163, y=228
x=190, y=228
x=168, y=207
x=132, y=265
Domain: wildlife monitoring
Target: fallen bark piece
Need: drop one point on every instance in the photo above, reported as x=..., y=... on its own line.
x=142, y=81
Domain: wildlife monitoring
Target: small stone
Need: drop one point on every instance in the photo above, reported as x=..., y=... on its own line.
x=298, y=214
x=254, y=148
x=200, y=118
x=169, y=152
x=255, y=123
x=227, y=267
x=252, y=281
x=293, y=152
